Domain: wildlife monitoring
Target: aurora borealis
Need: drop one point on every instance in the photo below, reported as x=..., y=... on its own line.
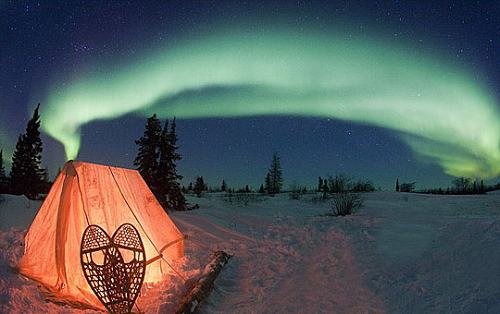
x=446, y=112
x=442, y=112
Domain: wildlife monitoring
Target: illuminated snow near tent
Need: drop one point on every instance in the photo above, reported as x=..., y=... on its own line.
x=85, y=194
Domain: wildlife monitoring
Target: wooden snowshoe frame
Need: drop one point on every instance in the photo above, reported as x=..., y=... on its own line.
x=115, y=279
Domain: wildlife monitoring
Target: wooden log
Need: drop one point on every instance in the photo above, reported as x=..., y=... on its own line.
x=202, y=288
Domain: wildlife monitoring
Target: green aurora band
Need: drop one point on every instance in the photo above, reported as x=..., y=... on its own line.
x=441, y=111
x=6, y=147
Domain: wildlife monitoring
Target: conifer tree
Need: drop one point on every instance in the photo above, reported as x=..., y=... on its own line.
x=397, y=185
x=199, y=186
x=163, y=172
x=320, y=184
x=148, y=154
x=267, y=183
x=275, y=179
x=156, y=161
x=175, y=195
x=169, y=189
x=27, y=175
x=223, y=187
x=261, y=190
x=325, y=189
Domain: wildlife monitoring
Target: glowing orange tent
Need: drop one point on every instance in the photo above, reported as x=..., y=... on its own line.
x=86, y=194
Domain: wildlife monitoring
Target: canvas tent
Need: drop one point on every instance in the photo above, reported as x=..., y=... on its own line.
x=86, y=194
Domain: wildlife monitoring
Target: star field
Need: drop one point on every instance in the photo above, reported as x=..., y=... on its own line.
x=47, y=46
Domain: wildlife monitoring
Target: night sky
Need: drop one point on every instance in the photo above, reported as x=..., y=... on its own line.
x=372, y=89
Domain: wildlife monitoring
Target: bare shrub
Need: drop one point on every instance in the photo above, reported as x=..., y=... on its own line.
x=243, y=199
x=407, y=187
x=363, y=186
x=296, y=191
x=339, y=183
x=346, y=203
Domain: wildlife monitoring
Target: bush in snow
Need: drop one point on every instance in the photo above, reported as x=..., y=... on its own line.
x=338, y=184
x=199, y=186
x=346, y=203
x=363, y=186
x=243, y=199
x=407, y=187
x=296, y=191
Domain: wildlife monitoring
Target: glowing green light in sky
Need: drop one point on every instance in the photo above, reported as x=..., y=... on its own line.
x=6, y=147
x=441, y=111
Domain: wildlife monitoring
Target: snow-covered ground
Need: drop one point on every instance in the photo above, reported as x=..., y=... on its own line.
x=401, y=253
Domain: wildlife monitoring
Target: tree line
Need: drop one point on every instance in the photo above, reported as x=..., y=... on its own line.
x=341, y=183
x=273, y=182
x=463, y=185
x=157, y=159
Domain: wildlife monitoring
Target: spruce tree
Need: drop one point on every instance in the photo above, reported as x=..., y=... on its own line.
x=3, y=177
x=18, y=168
x=397, y=185
x=156, y=161
x=27, y=175
x=167, y=178
x=147, y=157
x=261, y=190
x=275, y=175
x=223, y=187
x=267, y=183
x=177, y=197
x=199, y=186
x=325, y=188
x=163, y=172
